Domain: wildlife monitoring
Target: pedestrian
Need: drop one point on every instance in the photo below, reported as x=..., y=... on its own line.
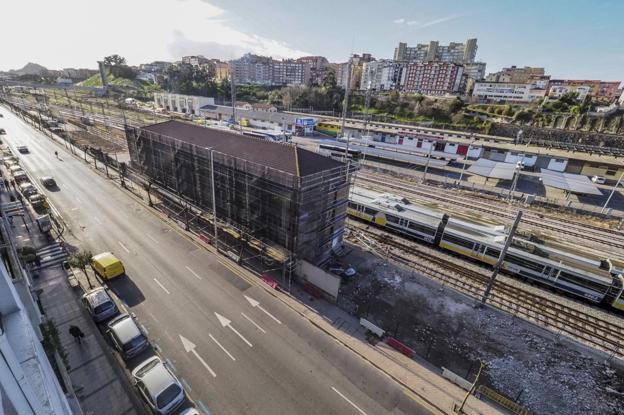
x=77, y=333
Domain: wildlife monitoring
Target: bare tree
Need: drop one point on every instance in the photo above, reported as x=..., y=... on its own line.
x=81, y=259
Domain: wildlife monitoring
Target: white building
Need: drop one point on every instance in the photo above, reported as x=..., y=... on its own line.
x=557, y=91
x=507, y=92
x=28, y=384
x=382, y=75
x=187, y=104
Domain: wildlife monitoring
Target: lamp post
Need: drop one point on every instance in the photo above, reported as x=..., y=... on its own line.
x=461, y=175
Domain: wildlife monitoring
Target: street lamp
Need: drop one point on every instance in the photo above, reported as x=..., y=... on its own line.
x=461, y=175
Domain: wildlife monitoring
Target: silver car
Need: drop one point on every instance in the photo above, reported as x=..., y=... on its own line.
x=158, y=386
x=99, y=304
x=126, y=336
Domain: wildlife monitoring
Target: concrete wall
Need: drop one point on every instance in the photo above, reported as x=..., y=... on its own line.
x=329, y=283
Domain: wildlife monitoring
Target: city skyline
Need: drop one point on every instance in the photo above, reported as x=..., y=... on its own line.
x=540, y=35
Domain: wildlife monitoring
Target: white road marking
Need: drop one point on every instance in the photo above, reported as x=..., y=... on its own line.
x=144, y=330
x=221, y=346
x=123, y=246
x=162, y=286
x=189, y=346
x=348, y=400
x=151, y=237
x=78, y=200
x=171, y=364
x=256, y=304
x=227, y=323
x=95, y=218
x=194, y=273
x=74, y=208
x=154, y=317
x=254, y=323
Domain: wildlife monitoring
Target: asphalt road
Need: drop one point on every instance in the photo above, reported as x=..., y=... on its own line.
x=269, y=361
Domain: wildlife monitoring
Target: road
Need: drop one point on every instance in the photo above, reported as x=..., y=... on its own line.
x=233, y=357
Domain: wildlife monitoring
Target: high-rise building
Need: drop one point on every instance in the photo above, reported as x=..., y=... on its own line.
x=453, y=52
x=290, y=72
x=475, y=70
x=434, y=78
x=356, y=63
x=382, y=75
x=319, y=68
x=254, y=69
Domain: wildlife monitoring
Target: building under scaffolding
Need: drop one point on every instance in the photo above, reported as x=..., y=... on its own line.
x=273, y=191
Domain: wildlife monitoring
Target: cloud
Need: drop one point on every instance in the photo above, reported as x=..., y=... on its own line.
x=420, y=25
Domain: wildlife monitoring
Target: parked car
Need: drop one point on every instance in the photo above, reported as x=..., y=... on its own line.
x=23, y=149
x=190, y=411
x=2, y=132
x=126, y=336
x=20, y=176
x=598, y=180
x=158, y=386
x=48, y=181
x=27, y=189
x=107, y=265
x=99, y=304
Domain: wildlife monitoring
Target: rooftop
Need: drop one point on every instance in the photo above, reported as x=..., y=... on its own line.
x=283, y=157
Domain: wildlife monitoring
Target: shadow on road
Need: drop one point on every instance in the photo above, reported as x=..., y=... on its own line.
x=127, y=290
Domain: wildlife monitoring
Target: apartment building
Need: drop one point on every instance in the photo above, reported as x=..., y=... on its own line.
x=319, y=68
x=187, y=104
x=507, y=92
x=433, y=51
x=355, y=65
x=557, y=91
x=475, y=70
x=382, y=75
x=602, y=91
x=262, y=70
x=195, y=60
x=516, y=75
x=434, y=78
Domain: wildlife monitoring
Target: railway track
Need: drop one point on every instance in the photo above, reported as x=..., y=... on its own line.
x=611, y=238
x=540, y=309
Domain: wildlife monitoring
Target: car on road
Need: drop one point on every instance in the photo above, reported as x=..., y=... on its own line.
x=107, y=265
x=99, y=304
x=48, y=181
x=23, y=149
x=598, y=180
x=2, y=132
x=158, y=386
x=126, y=335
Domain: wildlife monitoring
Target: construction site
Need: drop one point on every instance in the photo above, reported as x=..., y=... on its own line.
x=274, y=192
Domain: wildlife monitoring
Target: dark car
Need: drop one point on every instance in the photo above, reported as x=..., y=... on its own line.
x=48, y=181
x=2, y=131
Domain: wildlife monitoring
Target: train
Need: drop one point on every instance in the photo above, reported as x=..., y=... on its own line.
x=598, y=282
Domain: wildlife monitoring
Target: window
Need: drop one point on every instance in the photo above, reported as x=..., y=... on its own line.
x=392, y=219
x=579, y=280
x=458, y=240
x=370, y=211
x=421, y=228
x=524, y=263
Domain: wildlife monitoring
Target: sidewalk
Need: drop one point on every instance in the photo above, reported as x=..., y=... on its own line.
x=99, y=383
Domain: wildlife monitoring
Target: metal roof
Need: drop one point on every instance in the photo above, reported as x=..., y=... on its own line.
x=284, y=157
x=493, y=169
x=573, y=183
x=388, y=154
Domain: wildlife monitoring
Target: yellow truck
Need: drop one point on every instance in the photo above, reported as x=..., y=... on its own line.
x=107, y=265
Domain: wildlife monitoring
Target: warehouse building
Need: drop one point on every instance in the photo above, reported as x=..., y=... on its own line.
x=276, y=192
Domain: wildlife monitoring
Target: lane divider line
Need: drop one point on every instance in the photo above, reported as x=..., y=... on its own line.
x=254, y=323
x=162, y=286
x=221, y=346
x=349, y=400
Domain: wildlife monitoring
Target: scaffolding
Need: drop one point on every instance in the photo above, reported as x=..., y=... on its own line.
x=305, y=214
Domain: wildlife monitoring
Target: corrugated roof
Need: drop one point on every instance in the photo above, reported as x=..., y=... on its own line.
x=574, y=183
x=493, y=169
x=275, y=155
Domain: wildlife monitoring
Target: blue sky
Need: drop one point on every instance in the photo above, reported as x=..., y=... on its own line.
x=572, y=39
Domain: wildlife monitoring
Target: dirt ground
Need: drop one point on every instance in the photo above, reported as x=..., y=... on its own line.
x=545, y=373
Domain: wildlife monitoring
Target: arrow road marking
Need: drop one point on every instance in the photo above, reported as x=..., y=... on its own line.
x=189, y=346
x=227, y=323
x=349, y=400
x=193, y=272
x=221, y=346
x=254, y=323
x=256, y=304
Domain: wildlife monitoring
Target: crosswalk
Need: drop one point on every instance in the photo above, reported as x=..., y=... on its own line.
x=50, y=255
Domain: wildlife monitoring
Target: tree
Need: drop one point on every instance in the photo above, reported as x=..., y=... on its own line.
x=114, y=60
x=455, y=105
x=81, y=259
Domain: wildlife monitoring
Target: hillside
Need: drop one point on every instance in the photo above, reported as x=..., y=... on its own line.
x=136, y=84
x=30, y=69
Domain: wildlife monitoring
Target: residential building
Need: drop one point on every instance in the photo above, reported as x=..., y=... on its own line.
x=187, y=104
x=274, y=192
x=601, y=91
x=557, y=91
x=319, y=68
x=507, y=92
x=433, y=78
x=355, y=64
x=155, y=67
x=475, y=70
x=433, y=51
x=195, y=60
x=516, y=75
x=222, y=69
x=621, y=100
x=262, y=70
x=28, y=383
x=382, y=75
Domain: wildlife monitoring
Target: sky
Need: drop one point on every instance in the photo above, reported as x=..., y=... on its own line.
x=581, y=39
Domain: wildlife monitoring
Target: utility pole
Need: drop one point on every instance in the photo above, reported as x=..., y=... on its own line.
x=461, y=175
x=214, y=201
x=612, y=191
x=460, y=410
x=233, y=98
x=366, y=105
x=427, y=164
x=345, y=107
x=501, y=257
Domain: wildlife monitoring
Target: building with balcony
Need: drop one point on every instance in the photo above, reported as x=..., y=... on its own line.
x=516, y=75
x=507, y=92
x=352, y=70
x=434, y=78
x=382, y=75
x=433, y=51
